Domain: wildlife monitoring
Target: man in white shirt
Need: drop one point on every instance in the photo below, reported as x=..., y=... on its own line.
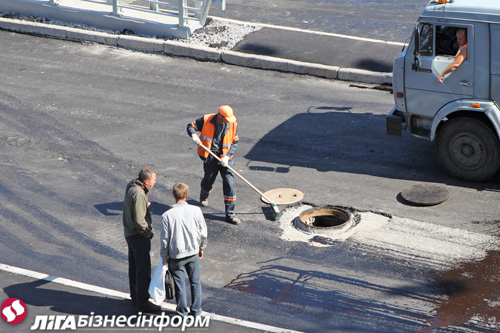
x=183, y=239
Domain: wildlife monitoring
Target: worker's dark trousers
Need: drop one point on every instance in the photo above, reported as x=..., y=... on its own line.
x=211, y=167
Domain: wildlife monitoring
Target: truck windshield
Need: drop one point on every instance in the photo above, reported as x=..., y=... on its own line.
x=426, y=39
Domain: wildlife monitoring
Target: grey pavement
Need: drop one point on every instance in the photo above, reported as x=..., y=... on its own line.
x=272, y=48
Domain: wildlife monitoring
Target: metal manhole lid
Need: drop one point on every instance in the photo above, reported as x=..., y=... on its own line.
x=283, y=196
x=425, y=195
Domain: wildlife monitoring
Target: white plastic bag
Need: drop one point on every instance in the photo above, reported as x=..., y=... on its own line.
x=157, y=286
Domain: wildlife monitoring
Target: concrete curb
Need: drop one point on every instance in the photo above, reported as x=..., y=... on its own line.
x=197, y=52
x=141, y=44
x=361, y=75
x=279, y=64
x=202, y=53
x=92, y=36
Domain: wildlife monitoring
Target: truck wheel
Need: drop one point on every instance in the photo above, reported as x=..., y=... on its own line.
x=468, y=149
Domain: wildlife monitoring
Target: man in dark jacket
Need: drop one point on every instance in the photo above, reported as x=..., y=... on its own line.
x=138, y=230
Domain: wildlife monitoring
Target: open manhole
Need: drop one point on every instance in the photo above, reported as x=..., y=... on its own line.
x=327, y=225
x=324, y=220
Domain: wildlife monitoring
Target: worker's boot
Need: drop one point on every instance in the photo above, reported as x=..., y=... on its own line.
x=203, y=198
x=233, y=219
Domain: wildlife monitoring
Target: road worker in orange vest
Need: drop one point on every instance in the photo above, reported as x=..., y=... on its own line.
x=217, y=133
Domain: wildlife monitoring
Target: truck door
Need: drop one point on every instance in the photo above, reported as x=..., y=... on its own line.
x=495, y=62
x=436, y=49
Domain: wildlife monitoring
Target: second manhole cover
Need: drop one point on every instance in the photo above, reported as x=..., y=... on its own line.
x=425, y=195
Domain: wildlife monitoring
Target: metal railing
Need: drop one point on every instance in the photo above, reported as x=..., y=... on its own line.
x=185, y=10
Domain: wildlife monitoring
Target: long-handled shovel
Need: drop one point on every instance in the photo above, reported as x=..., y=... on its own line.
x=273, y=205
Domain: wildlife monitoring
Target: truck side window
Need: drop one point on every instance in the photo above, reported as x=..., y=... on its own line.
x=426, y=40
x=446, y=41
x=495, y=43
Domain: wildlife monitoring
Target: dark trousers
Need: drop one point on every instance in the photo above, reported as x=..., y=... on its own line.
x=139, y=268
x=212, y=167
x=179, y=268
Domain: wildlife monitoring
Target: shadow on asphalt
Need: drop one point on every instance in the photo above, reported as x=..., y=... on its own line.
x=459, y=294
x=116, y=208
x=40, y=293
x=332, y=138
x=320, y=49
x=259, y=49
x=297, y=287
x=368, y=63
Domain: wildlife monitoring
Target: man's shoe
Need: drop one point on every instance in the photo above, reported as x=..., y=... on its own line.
x=150, y=308
x=233, y=219
x=203, y=198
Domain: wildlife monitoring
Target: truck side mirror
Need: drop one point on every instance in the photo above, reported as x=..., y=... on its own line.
x=416, y=50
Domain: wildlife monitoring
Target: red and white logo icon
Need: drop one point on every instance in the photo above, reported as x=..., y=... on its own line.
x=13, y=311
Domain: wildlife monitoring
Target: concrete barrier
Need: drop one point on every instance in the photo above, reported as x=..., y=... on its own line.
x=101, y=15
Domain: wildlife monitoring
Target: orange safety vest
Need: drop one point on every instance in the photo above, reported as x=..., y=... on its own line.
x=207, y=135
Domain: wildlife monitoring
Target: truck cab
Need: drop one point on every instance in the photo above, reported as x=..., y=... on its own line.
x=461, y=114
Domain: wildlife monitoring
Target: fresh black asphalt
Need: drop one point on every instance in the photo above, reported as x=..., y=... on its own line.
x=321, y=49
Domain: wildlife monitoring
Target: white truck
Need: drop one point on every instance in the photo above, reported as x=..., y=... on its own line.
x=461, y=114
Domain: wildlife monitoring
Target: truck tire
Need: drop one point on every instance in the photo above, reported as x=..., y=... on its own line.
x=468, y=149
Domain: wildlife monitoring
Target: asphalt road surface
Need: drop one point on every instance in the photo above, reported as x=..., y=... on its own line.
x=78, y=120
x=390, y=20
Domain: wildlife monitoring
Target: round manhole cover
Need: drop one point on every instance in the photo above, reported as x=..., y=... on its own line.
x=425, y=195
x=283, y=196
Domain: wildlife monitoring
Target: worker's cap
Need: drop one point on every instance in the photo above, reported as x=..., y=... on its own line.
x=227, y=112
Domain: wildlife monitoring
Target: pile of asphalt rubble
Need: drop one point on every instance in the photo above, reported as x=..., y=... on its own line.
x=216, y=34
x=221, y=35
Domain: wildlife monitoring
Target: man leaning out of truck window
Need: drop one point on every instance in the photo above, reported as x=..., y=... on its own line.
x=461, y=55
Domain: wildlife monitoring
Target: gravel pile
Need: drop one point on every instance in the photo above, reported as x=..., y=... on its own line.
x=217, y=34
x=220, y=35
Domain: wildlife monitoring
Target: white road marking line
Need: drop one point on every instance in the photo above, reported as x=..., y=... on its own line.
x=119, y=294
x=331, y=34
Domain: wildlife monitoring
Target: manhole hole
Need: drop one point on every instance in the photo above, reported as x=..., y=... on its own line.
x=327, y=225
x=324, y=220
